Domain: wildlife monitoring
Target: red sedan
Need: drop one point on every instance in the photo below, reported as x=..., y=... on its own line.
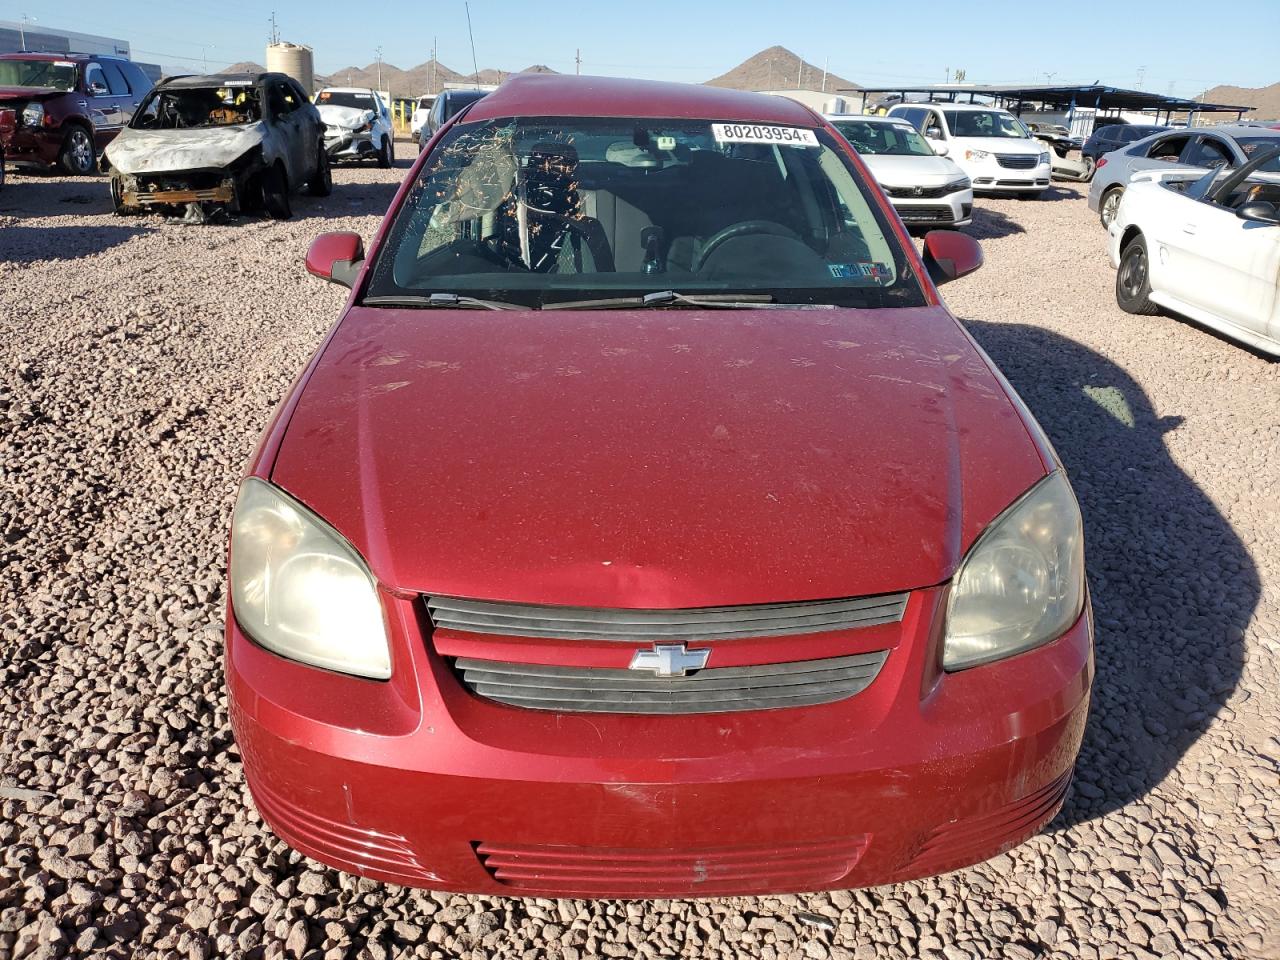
x=647, y=526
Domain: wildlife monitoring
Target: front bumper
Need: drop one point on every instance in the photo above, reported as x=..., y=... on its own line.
x=349, y=145
x=417, y=782
x=993, y=178
x=34, y=147
x=953, y=210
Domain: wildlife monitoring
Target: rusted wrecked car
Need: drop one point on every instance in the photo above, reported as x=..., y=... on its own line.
x=216, y=145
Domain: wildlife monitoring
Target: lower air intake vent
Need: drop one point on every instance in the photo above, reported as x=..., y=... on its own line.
x=605, y=871
x=716, y=690
x=696, y=623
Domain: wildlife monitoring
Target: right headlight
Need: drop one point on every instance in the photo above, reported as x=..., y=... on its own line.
x=1022, y=583
x=300, y=590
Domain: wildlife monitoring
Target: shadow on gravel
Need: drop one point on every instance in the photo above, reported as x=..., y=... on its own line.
x=1173, y=586
x=991, y=224
x=30, y=194
x=1060, y=191
x=19, y=244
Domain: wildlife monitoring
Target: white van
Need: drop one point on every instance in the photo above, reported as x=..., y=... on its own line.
x=989, y=144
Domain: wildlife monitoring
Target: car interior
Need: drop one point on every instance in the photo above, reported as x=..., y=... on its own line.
x=174, y=109
x=647, y=205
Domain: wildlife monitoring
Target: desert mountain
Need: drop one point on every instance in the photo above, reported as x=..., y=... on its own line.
x=779, y=69
x=1266, y=100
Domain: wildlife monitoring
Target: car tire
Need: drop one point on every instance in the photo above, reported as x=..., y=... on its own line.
x=321, y=182
x=1090, y=167
x=77, y=156
x=275, y=194
x=387, y=153
x=1108, y=206
x=1133, y=280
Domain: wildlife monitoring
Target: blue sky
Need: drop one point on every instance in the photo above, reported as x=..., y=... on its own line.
x=1175, y=43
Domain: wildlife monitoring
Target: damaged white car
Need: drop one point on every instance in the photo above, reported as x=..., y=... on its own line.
x=222, y=144
x=357, y=125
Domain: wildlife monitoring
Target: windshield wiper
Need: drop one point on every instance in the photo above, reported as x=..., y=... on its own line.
x=455, y=301
x=667, y=298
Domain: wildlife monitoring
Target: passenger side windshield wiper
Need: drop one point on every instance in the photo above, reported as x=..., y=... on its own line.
x=455, y=301
x=670, y=298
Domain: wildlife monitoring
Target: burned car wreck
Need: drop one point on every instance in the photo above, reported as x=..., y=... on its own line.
x=208, y=146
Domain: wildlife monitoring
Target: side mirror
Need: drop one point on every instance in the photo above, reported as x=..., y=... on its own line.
x=97, y=89
x=949, y=255
x=1259, y=211
x=336, y=257
x=940, y=148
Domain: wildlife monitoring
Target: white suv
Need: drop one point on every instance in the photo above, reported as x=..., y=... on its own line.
x=989, y=144
x=357, y=125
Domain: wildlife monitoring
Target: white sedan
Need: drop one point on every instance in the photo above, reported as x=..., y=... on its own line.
x=925, y=189
x=1206, y=248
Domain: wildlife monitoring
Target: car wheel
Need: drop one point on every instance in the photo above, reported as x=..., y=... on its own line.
x=386, y=156
x=117, y=200
x=1133, y=280
x=1110, y=204
x=275, y=194
x=321, y=183
x=1090, y=165
x=77, y=156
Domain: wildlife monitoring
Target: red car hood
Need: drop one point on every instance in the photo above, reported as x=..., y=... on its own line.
x=656, y=458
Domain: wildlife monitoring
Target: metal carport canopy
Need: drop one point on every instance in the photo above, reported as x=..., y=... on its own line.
x=1094, y=95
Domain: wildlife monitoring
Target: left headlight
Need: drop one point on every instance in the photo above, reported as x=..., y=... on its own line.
x=1022, y=583
x=1044, y=156
x=33, y=114
x=300, y=590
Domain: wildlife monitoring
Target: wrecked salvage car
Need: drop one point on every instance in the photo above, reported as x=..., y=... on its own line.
x=357, y=125
x=218, y=145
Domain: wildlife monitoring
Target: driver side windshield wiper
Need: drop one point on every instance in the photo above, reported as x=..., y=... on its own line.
x=670, y=298
x=456, y=301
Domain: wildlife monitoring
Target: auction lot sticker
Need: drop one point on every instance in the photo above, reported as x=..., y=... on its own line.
x=758, y=133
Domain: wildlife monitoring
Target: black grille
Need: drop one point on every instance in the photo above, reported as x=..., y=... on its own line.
x=1017, y=161
x=711, y=690
x=926, y=214
x=695, y=623
x=921, y=193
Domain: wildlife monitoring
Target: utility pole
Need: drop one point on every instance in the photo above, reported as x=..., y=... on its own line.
x=948, y=74
x=377, y=53
x=275, y=29
x=577, y=62
x=475, y=64
x=204, y=54
x=1142, y=73
x=800, y=75
x=431, y=83
x=825, y=64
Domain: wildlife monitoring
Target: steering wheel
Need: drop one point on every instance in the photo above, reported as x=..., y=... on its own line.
x=745, y=228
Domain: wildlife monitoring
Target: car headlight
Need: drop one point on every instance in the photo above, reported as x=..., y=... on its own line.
x=976, y=155
x=1022, y=583
x=963, y=183
x=1044, y=156
x=300, y=590
x=33, y=114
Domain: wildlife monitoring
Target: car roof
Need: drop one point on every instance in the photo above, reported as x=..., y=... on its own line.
x=346, y=90
x=58, y=55
x=558, y=95
x=221, y=79
x=867, y=118
x=948, y=105
x=1234, y=130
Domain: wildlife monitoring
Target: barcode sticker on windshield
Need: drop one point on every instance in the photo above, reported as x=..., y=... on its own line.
x=756, y=133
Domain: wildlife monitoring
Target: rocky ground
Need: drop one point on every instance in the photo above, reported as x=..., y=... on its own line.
x=138, y=362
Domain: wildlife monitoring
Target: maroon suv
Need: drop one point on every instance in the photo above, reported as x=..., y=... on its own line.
x=68, y=106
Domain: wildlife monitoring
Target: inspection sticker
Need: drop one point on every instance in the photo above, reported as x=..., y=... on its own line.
x=857, y=271
x=757, y=133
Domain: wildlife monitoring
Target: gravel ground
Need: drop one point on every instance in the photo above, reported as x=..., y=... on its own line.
x=138, y=362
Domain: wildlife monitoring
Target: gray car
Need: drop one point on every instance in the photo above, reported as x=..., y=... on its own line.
x=1200, y=148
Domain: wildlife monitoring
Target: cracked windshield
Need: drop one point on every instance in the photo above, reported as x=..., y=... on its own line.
x=541, y=212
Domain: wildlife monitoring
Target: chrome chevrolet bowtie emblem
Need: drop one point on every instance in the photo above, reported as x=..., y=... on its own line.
x=669, y=660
